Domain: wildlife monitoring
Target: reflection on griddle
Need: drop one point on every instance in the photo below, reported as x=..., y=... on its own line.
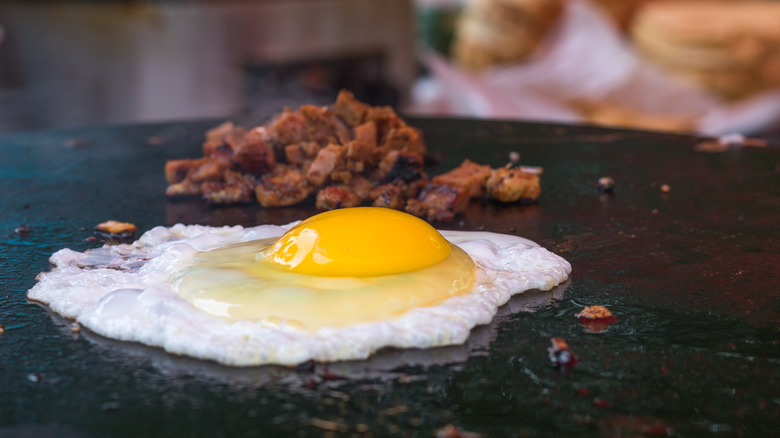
x=515, y=218
x=195, y=211
x=386, y=364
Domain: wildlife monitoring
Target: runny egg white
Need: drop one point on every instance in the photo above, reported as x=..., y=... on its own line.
x=336, y=286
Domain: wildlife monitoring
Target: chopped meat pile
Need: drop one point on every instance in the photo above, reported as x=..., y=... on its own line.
x=343, y=155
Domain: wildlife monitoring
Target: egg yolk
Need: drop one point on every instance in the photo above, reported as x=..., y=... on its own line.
x=335, y=269
x=359, y=242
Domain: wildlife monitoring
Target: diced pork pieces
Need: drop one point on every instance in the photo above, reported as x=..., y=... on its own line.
x=343, y=155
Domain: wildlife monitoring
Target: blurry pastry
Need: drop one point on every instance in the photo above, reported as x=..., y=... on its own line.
x=731, y=48
x=491, y=32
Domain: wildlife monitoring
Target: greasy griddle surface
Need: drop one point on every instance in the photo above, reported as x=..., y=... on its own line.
x=691, y=275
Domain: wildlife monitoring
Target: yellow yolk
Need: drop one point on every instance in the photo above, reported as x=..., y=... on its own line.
x=362, y=265
x=359, y=242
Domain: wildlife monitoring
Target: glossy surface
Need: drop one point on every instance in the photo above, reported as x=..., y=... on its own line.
x=690, y=274
x=358, y=242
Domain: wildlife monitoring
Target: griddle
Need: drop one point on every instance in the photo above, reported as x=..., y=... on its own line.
x=691, y=275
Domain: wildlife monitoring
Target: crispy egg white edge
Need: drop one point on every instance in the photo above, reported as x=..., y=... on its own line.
x=122, y=292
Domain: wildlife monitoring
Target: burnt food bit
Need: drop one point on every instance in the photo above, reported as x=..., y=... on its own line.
x=22, y=231
x=439, y=202
x=606, y=185
x=401, y=166
x=560, y=355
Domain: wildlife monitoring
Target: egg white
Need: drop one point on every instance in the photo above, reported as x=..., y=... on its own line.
x=124, y=292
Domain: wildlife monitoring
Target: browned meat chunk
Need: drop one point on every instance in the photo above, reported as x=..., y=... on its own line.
x=215, y=138
x=323, y=126
x=221, y=142
x=362, y=187
x=289, y=127
x=360, y=156
x=349, y=109
x=287, y=186
x=400, y=166
x=366, y=134
x=177, y=170
x=469, y=175
x=254, y=155
x=385, y=119
x=327, y=160
x=404, y=138
x=439, y=202
x=183, y=188
x=300, y=153
x=390, y=195
x=361, y=151
x=236, y=188
x=510, y=185
x=209, y=169
x=333, y=197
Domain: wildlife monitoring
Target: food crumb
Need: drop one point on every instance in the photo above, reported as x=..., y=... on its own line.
x=665, y=188
x=560, y=354
x=75, y=328
x=116, y=227
x=22, y=231
x=514, y=157
x=2, y=329
x=114, y=231
x=606, y=184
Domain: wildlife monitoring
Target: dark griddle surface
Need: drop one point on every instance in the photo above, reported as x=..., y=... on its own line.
x=692, y=276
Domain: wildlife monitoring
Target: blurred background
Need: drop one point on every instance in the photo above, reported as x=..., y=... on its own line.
x=631, y=63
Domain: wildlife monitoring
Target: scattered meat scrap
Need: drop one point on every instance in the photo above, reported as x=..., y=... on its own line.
x=343, y=155
x=115, y=232
x=596, y=314
x=595, y=319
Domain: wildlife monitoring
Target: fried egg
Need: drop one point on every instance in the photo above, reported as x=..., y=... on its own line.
x=337, y=286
